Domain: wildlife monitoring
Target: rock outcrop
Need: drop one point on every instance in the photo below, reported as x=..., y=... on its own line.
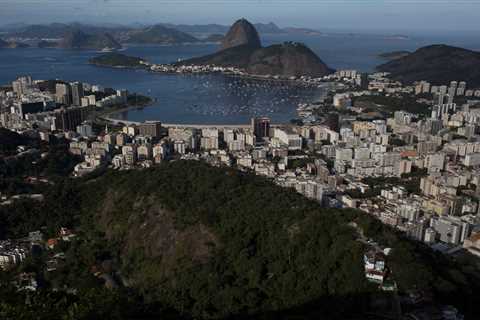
x=242, y=33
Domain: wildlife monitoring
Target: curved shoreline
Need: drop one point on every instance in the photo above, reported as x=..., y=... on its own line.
x=184, y=125
x=179, y=125
x=240, y=74
x=108, y=116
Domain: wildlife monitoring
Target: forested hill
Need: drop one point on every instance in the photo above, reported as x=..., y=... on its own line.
x=216, y=243
x=115, y=59
x=438, y=64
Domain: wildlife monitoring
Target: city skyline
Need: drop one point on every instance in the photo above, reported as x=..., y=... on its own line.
x=387, y=15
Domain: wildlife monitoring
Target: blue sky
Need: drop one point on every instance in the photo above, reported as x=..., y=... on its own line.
x=387, y=15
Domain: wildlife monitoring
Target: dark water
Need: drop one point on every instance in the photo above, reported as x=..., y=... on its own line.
x=212, y=98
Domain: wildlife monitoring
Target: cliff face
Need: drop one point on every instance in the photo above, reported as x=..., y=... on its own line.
x=241, y=48
x=438, y=64
x=241, y=33
x=152, y=230
x=80, y=40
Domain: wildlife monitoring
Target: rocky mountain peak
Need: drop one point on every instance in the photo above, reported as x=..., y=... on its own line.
x=241, y=33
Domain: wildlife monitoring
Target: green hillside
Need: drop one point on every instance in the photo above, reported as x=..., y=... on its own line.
x=114, y=59
x=215, y=243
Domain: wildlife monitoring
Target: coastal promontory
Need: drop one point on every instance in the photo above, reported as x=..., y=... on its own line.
x=241, y=48
x=438, y=64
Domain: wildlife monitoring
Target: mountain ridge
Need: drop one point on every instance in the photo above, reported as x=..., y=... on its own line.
x=77, y=39
x=57, y=30
x=159, y=34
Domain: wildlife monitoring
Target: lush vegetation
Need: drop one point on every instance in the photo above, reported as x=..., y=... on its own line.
x=91, y=304
x=213, y=243
x=410, y=181
x=416, y=266
x=391, y=104
x=117, y=60
x=56, y=162
x=10, y=140
x=42, y=169
x=245, y=245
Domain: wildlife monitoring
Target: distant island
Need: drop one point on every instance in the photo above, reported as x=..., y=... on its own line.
x=438, y=64
x=242, y=48
x=117, y=60
x=394, y=54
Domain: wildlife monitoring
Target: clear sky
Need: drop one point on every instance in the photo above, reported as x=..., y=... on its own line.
x=387, y=15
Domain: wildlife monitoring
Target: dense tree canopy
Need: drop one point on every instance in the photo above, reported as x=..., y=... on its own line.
x=215, y=242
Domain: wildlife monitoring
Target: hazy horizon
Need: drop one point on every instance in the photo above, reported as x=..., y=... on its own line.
x=383, y=16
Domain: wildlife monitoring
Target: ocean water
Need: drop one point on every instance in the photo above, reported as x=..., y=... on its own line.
x=212, y=99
